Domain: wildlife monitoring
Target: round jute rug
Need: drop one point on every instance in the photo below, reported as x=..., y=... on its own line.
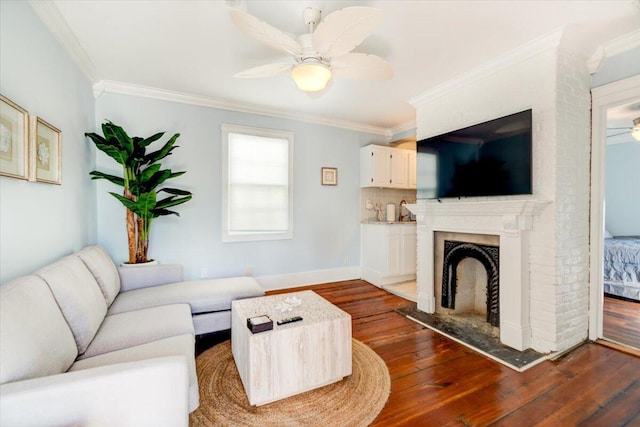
x=353, y=401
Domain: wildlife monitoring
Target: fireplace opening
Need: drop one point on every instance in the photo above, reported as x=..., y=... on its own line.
x=470, y=279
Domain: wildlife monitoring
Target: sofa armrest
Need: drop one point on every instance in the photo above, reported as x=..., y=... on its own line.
x=149, y=275
x=152, y=392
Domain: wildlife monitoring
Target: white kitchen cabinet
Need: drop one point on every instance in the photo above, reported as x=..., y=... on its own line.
x=386, y=167
x=409, y=251
x=375, y=167
x=413, y=173
x=388, y=252
x=399, y=168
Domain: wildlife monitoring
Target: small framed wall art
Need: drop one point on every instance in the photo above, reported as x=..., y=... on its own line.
x=14, y=141
x=329, y=176
x=46, y=152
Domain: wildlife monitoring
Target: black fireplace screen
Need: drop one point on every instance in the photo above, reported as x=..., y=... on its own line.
x=489, y=256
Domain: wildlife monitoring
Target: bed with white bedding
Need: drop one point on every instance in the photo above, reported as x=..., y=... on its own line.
x=622, y=267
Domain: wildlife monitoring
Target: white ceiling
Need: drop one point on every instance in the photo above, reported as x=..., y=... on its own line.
x=193, y=47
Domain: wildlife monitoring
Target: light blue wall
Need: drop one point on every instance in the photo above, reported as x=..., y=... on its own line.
x=41, y=222
x=622, y=196
x=622, y=180
x=326, y=219
x=621, y=66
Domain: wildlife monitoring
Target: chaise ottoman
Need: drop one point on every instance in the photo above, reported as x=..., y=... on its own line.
x=135, y=288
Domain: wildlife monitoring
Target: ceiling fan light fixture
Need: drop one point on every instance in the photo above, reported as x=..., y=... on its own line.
x=635, y=132
x=311, y=76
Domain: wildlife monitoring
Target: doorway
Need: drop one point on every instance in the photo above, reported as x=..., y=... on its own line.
x=615, y=316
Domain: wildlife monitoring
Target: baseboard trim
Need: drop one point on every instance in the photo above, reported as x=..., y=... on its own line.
x=306, y=278
x=375, y=278
x=619, y=346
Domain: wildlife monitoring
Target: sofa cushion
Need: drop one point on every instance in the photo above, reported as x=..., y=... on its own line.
x=202, y=295
x=144, y=276
x=181, y=345
x=140, y=327
x=78, y=296
x=103, y=269
x=35, y=340
x=204, y=323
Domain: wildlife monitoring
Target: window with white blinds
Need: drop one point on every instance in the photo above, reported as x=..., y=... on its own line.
x=257, y=184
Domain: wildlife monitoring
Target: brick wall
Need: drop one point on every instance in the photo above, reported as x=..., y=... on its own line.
x=573, y=104
x=555, y=84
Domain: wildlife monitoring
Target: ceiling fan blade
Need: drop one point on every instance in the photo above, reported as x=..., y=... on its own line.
x=618, y=134
x=341, y=31
x=264, y=32
x=264, y=71
x=361, y=66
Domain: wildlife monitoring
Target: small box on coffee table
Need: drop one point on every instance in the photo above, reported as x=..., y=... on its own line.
x=259, y=324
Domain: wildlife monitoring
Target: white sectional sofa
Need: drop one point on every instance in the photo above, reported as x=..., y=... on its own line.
x=84, y=344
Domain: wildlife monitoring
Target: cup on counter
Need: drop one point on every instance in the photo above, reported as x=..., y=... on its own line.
x=391, y=212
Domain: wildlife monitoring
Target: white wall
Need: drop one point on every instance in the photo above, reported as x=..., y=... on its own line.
x=572, y=166
x=555, y=85
x=41, y=222
x=326, y=218
x=622, y=195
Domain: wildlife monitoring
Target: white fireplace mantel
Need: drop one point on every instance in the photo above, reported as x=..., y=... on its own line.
x=511, y=220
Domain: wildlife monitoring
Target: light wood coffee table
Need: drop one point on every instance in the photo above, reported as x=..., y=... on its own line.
x=295, y=357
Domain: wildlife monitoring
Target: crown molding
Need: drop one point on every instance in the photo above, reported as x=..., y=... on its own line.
x=522, y=53
x=403, y=127
x=614, y=47
x=53, y=20
x=109, y=86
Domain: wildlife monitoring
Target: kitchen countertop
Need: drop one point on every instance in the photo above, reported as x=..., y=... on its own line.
x=371, y=221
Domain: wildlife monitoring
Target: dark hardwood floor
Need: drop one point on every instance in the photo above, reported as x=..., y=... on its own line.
x=621, y=321
x=437, y=382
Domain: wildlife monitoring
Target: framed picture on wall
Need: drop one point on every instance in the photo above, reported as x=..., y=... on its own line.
x=14, y=140
x=46, y=152
x=329, y=176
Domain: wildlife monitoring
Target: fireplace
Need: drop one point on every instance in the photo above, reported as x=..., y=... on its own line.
x=484, y=298
x=500, y=223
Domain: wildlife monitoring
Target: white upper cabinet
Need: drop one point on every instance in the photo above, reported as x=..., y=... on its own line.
x=387, y=167
x=375, y=166
x=399, y=169
x=413, y=182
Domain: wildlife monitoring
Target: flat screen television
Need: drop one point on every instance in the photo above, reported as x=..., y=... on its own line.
x=487, y=159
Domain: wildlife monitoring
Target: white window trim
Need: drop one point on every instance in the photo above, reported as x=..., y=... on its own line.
x=252, y=236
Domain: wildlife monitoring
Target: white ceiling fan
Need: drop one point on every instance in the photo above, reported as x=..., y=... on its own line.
x=324, y=52
x=634, y=131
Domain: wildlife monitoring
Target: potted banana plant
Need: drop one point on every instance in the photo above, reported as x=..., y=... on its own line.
x=144, y=196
